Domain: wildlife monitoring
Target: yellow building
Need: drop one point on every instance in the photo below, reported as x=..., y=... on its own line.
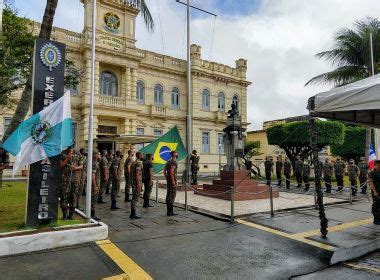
x=142, y=93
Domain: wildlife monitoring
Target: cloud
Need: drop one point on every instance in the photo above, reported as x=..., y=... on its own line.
x=278, y=37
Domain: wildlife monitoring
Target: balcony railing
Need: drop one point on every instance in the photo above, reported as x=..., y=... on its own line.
x=156, y=110
x=112, y=101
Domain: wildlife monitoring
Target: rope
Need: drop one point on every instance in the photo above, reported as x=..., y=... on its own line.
x=159, y=21
x=212, y=38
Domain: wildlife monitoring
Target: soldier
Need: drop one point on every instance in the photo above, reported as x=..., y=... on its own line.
x=353, y=174
x=170, y=173
x=95, y=183
x=287, y=172
x=279, y=166
x=328, y=170
x=116, y=172
x=4, y=163
x=339, y=168
x=268, y=165
x=363, y=167
x=194, y=161
x=110, y=157
x=83, y=181
x=306, y=175
x=65, y=166
x=136, y=183
x=148, y=179
x=104, y=175
x=374, y=183
x=76, y=177
x=127, y=175
x=298, y=168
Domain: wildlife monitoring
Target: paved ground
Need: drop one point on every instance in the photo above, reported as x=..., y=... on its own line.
x=192, y=246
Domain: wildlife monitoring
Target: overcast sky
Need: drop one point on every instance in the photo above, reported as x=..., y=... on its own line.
x=278, y=37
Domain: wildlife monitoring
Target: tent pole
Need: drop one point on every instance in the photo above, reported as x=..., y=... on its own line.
x=317, y=170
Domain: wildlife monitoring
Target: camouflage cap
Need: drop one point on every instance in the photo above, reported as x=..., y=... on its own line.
x=362, y=158
x=352, y=161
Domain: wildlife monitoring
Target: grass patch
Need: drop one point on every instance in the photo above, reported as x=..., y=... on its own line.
x=12, y=208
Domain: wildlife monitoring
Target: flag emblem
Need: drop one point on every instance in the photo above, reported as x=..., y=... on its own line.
x=163, y=152
x=50, y=56
x=41, y=132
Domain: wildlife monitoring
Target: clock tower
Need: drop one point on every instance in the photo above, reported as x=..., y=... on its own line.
x=115, y=23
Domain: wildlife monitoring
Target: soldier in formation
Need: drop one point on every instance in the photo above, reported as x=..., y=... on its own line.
x=268, y=165
x=136, y=183
x=104, y=175
x=4, y=162
x=127, y=174
x=279, y=168
x=328, y=171
x=287, y=172
x=298, y=170
x=306, y=175
x=170, y=173
x=95, y=183
x=374, y=183
x=194, y=162
x=110, y=157
x=353, y=174
x=83, y=180
x=148, y=175
x=363, y=167
x=115, y=172
x=339, y=168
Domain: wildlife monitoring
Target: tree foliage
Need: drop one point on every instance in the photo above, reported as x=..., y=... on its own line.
x=353, y=145
x=294, y=137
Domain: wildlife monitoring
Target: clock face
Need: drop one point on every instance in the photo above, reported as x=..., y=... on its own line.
x=112, y=22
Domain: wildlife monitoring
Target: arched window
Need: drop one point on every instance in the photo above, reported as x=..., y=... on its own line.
x=206, y=100
x=140, y=92
x=221, y=102
x=235, y=100
x=158, y=95
x=175, y=98
x=108, y=83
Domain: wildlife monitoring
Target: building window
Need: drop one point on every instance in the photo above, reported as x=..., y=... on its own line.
x=205, y=142
x=140, y=92
x=206, y=100
x=158, y=95
x=107, y=129
x=175, y=98
x=7, y=122
x=108, y=84
x=157, y=132
x=140, y=131
x=221, y=102
x=220, y=143
x=235, y=100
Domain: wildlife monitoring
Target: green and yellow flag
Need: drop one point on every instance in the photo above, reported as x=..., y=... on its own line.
x=162, y=147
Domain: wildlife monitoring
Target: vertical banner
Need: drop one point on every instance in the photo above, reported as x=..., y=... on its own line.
x=45, y=176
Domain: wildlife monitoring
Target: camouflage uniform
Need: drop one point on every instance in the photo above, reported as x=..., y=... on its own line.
x=136, y=182
x=279, y=166
x=194, y=159
x=148, y=181
x=110, y=158
x=65, y=185
x=76, y=177
x=306, y=175
x=104, y=176
x=4, y=161
x=128, y=162
x=115, y=176
x=268, y=165
x=171, y=189
x=339, y=168
x=353, y=171
x=328, y=170
x=95, y=192
x=363, y=167
x=374, y=176
x=287, y=172
x=83, y=180
x=298, y=169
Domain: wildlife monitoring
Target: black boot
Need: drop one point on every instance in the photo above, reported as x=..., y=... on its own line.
x=127, y=199
x=133, y=215
x=71, y=214
x=93, y=216
x=146, y=204
x=171, y=212
x=100, y=200
x=113, y=205
x=64, y=212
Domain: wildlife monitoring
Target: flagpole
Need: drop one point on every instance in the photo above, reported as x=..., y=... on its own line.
x=376, y=131
x=188, y=113
x=91, y=119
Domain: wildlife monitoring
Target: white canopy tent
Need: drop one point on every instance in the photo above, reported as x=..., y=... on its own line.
x=357, y=103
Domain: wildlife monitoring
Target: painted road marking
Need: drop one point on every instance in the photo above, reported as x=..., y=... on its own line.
x=132, y=270
x=362, y=267
x=287, y=235
x=118, y=277
x=334, y=228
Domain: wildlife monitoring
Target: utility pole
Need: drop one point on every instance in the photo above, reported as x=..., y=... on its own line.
x=188, y=90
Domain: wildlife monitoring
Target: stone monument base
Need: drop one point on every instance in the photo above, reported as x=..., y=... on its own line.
x=245, y=188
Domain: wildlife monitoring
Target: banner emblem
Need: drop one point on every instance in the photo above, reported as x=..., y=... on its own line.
x=40, y=132
x=50, y=56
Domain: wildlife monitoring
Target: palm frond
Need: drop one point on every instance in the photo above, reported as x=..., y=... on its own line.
x=145, y=13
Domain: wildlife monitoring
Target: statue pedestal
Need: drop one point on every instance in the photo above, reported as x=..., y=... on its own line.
x=245, y=188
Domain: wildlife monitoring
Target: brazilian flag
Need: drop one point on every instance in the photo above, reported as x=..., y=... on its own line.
x=162, y=147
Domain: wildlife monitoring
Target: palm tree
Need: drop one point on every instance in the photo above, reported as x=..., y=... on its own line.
x=351, y=54
x=45, y=32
